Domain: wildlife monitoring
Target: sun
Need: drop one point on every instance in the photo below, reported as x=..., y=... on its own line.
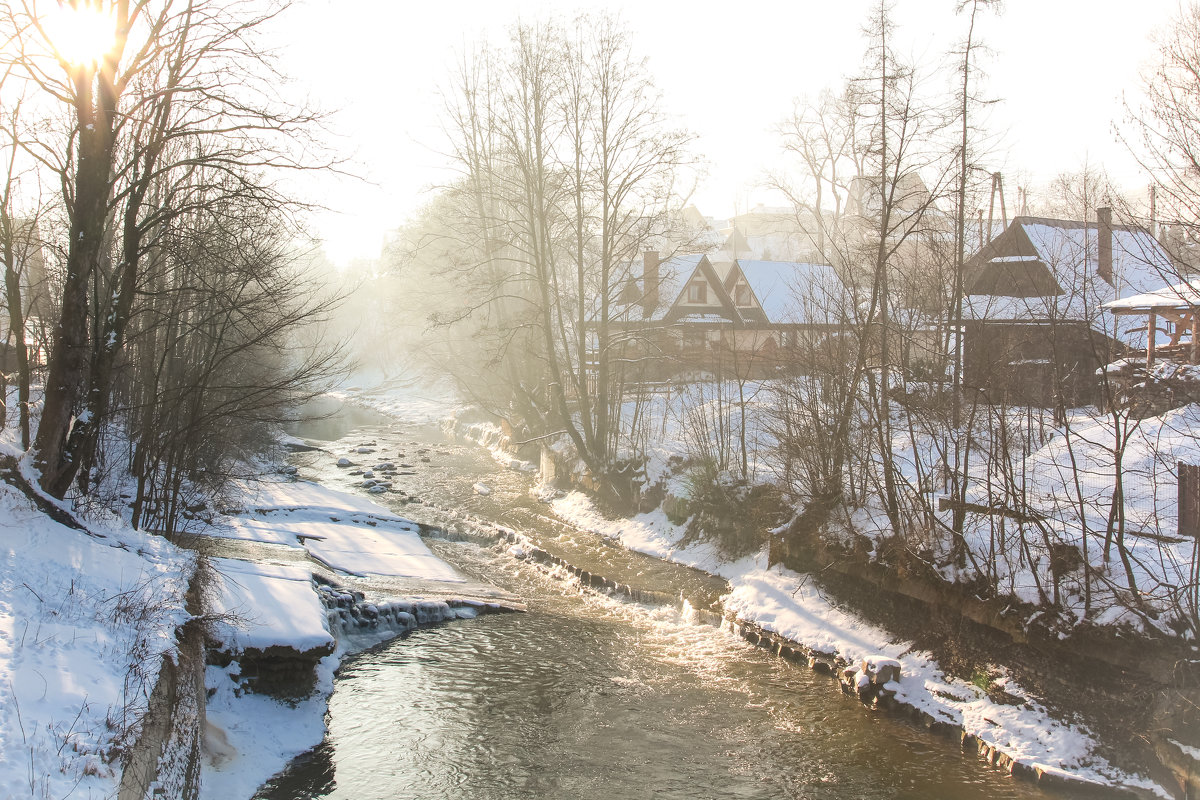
x=79, y=35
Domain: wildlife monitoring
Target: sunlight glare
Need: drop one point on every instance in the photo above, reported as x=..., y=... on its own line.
x=80, y=36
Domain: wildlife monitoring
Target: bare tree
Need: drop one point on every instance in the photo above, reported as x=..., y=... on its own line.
x=145, y=114
x=570, y=168
x=1164, y=132
x=825, y=141
x=24, y=265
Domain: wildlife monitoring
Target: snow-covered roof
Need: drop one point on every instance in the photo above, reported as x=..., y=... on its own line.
x=1140, y=264
x=1069, y=252
x=1181, y=296
x=793, y=292
x=673, y=274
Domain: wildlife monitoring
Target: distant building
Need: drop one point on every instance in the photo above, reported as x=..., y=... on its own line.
x=749, y=317
x=772, y=234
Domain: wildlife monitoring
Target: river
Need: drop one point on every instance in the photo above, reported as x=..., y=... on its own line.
x=585, y=696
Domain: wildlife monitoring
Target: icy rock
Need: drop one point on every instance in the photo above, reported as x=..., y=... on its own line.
x=880, y=669
x=465, y=613
x=365, y=450
x=385, y=466
x=377, y=489
x=482, y=489
x=516, y=551
x=368, y=474
x=345, y=462
x=430, y=611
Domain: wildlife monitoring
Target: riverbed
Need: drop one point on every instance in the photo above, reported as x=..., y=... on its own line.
x=585, y=695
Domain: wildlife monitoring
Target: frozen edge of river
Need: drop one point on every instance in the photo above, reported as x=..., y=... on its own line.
x=1019, y=738
x=251, y=737
x=1024, y=740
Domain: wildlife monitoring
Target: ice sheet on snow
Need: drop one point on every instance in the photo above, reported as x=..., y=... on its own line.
x=308, y=496
x=269, y=604
x=253, y=529
x=392, y=550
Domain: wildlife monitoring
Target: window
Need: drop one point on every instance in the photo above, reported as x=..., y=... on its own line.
x=741, y=295
x=697, y=292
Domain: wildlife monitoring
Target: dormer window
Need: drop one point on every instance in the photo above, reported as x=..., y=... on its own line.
x=697, y=292
x=741, y=296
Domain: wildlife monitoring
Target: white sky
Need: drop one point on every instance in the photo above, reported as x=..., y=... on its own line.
x=727, y=71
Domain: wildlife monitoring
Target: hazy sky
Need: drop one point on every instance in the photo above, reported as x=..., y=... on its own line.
x=727, y=71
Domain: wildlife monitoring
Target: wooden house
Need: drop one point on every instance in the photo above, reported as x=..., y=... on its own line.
x=689, y=314
x=1034, y=327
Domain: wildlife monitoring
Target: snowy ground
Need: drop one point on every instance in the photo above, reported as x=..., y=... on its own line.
x=84, y=623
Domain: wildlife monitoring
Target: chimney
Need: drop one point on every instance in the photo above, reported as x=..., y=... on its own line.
x=1104, y=233
x=650, y=282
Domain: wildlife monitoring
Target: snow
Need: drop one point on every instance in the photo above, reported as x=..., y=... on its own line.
x=789, y=604
x=794, y=292
x=84, y=623
x=391, y=550
x=1191, y=752
x=1178, y=296
x=252, y=737
x=343, y=531
x=266, y=605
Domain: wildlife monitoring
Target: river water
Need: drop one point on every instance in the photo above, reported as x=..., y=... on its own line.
x=586, y=696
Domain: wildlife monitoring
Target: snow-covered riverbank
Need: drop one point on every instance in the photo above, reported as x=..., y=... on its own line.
x=252, y=737
x=85, y=622
x=274, y=605
x=791, y=605
x=1001, y=714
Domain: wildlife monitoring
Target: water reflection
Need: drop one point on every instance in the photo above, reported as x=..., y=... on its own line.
x=589, y=697
x=586, y=696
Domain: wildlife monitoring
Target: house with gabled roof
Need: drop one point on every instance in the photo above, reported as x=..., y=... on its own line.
x=1034, y=327
x=749, y=316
